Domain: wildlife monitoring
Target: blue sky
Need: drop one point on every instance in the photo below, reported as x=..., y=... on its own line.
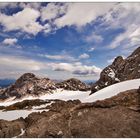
x=64, y=40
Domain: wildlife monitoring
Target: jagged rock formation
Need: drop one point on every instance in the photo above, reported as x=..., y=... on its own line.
x=28, y=84
x=113, y=117
x=73, y=84
x=120, y=70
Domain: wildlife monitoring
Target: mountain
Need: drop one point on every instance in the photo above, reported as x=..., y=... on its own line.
x=73, y=84
x=120, y=70
x=28, y=84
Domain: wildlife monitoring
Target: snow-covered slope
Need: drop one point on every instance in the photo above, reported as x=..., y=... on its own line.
x=83, y=96
x=99, y=95
x=113, y=90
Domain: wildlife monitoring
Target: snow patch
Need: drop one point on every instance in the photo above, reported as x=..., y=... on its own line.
x=111, y=73
x=15, y=114
x=113, y=90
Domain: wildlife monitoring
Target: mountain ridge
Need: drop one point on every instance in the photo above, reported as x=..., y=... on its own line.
x=120, y=70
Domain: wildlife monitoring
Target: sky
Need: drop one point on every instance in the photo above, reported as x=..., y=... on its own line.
x=65, y=40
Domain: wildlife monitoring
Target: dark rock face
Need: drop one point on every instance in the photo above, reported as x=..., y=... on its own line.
x=120, y=70
x=115, y=117
x=73, y=84
x=28, y=84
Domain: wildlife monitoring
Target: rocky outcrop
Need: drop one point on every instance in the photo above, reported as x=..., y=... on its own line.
x=115, y=117
x=120, y=70
x=73, y=84
x=11, y=129
x=28, y=84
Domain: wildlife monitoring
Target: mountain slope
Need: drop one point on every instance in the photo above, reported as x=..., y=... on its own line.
x=120, y=70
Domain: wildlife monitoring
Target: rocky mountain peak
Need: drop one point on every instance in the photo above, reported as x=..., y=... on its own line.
x=25, y=77
x=28, y=84
x=120, y=70
x=118, y=60
x=73, y=84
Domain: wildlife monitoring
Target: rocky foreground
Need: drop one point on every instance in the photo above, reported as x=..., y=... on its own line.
x=117, y=116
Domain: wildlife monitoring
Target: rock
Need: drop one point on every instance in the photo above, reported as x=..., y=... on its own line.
x=73, y=84
x=120, y=70
x=114, y=117
x=9, y=129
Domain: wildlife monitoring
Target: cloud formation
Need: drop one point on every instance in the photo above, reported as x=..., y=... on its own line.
x=77, y=69
x=57, y=15
x=93, y=38
x=84, y=56
x=59, y=57
x=79, y=14
x=9, y=41
x=126, y=17
x=20, y=65
x=25, y=20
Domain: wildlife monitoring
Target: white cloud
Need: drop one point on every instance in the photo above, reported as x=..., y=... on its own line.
x=93, y=38
x=58, y=57
x=9, y=41
x=77, y=69
x=20, y=63
x=79, y=14
x=24, y=20
x=84, y=56
x=65, y=57
x=125, y=15
x=51, y=11
x=58, y=15
x=91, y=49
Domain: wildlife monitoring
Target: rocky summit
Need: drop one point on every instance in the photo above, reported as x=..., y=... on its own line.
x=120, y=70
x=73, y=84
x=115, y=117
x=28, y=84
